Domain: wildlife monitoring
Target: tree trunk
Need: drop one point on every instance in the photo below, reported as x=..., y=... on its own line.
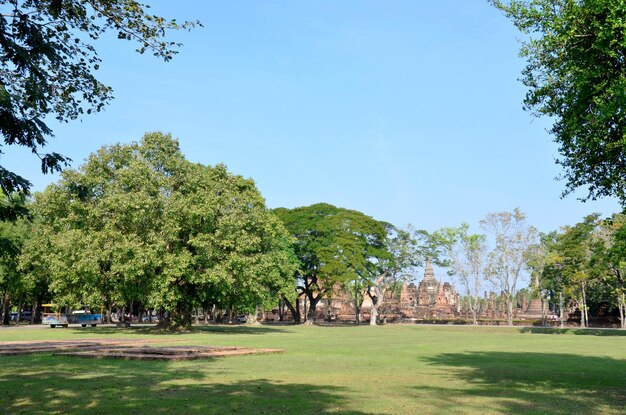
x=35, y=311
x=561, y=309
x=621, y=303
x=582, y=314
x=376, y=293
x=357, y=312
x=329, y=309
x=310, y=318
x=109, y=312
x=374, y=314
x=304, y=309
x=122, y=321
x=179, y=319
x=281, y=309
x=473, y=306
x=509, y=310
x=585, y=306
x=18, y=318
x=295, y=312
x=357, y=305
x=5, y=309
x=621, y=311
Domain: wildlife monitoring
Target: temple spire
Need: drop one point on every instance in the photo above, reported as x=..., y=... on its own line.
x=429, y=274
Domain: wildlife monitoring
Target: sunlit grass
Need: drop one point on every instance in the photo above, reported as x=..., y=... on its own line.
x=391, y=369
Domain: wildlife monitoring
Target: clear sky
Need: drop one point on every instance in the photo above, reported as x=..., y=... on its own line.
x=409, y=111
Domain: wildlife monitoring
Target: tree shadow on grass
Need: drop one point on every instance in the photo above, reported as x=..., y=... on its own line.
x=582, y=332
x=240, y=329
x=47, y=384
x=533, y=382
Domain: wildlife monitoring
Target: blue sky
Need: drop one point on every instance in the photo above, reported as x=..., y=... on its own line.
x=409, y=111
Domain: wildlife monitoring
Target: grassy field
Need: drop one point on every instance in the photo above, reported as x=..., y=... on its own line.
x=393, y=369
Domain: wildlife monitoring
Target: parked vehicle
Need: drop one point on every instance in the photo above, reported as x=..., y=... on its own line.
x=147, y=319
x=53, y=316
x=24, y=316
x=84, y=317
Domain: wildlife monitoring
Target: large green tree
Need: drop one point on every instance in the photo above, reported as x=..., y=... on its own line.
x=336, y=247
x=138, y=223
x=576, y=75
x=577, y=265
x=48, y=61
x=610, y=253
x=571, y=265
x=13, y=233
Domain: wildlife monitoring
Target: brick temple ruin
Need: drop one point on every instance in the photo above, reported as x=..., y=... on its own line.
x=430, y=299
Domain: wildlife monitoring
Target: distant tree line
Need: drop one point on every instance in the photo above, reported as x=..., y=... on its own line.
x=583, y=266
x=576, y=268
x=140, y=230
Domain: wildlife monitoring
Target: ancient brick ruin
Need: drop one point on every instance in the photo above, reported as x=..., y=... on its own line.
x=430, y=299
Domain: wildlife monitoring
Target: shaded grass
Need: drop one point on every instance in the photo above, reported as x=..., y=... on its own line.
x=348, y=370
x=580, y=332
x=74, y=386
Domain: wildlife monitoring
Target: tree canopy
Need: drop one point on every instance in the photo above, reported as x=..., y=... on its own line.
x=582, y=266
x=514, y=242
x=13, y=233
x=405, y=249
x=48, y=61
x=139, y=223
x=466, y=255
x=576, y=75
x=336, y=247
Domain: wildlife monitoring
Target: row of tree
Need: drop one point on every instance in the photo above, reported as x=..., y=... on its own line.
x=469, y=258
x=580, y=267
x=584, y=266
x=575, y=75
x=138, y=227
x=344, y=249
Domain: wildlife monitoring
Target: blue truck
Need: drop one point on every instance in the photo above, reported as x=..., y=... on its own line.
x=54, y=316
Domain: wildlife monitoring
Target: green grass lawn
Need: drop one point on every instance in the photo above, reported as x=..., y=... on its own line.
x=392, y=369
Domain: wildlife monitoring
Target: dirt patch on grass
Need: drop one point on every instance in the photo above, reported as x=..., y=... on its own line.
x=166, y=353
x=125, y=349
